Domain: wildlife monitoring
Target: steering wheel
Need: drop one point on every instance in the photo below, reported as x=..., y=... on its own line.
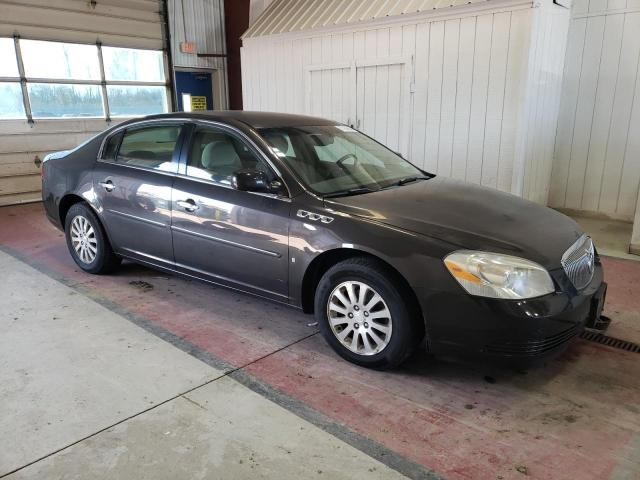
x=344, y=157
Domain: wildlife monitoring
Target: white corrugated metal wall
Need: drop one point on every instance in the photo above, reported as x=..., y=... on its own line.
x=597, y=164
x=123, y=23
x=202, y=23
x=474, y=96
x=539, y=118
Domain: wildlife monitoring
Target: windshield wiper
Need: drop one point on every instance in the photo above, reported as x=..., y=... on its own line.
x=351, y=191
x=415, y=178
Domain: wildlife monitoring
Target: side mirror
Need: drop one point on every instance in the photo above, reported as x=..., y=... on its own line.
x=249, y=180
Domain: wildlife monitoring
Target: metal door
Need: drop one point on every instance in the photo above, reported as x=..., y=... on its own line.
x=234, y=237
x=133, y=192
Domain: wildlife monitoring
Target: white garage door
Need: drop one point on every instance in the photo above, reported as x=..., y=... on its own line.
x=65, y=87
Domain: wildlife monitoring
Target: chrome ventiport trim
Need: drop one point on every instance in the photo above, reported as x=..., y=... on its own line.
x=314, y=217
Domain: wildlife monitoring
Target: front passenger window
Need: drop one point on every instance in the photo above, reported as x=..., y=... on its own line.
x=150, y=147
x=216, y=155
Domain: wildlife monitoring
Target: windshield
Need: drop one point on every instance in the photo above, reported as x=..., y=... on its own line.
x=337, y=159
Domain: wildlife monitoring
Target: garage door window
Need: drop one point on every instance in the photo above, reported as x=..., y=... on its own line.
x=66, y=80
x=64, y=100
x=127, y=101
x=126, y=64
x=64, y=61
x=11, y=102
x=8, y=63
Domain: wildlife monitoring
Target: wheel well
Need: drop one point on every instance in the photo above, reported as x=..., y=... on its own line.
x=65, y=204
x=326, y=260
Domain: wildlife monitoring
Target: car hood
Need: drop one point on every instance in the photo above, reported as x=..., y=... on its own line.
x=469, y=216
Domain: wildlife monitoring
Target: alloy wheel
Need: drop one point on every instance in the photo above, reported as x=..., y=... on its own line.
x=83, y=239
x=359, y=318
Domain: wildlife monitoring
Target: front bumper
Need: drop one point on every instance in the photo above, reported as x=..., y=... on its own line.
x=522, y=332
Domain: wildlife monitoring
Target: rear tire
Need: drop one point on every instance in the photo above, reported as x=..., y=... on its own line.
x=87, y=242
x=363, y=315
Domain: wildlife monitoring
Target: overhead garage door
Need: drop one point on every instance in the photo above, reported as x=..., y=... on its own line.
x=82, y=66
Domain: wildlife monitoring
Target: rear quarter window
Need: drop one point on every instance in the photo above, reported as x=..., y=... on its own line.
x=111, y=147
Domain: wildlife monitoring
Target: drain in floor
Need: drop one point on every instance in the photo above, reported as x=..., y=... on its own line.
x=610, y=341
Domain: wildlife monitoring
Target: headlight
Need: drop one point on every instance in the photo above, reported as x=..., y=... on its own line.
x=498, y=276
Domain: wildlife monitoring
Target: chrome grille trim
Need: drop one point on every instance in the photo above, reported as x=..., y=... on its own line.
x=579, y=262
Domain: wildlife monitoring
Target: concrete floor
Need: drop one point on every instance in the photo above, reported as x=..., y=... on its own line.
x=144, y=375
x=87, y=393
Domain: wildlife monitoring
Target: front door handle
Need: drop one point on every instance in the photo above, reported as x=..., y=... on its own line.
x=188, y=205
x=107, y=185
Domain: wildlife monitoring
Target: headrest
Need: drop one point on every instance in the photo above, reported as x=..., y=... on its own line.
x=217, y=154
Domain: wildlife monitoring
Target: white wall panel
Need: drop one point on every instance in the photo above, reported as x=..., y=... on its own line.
x=498, y=68
x=544, y=82
x=433, y=84
x=464, y=85
x=597, y=166
x=478, y=115
x=474, y=97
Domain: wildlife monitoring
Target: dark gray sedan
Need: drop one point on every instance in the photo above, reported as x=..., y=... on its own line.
x=314, y=214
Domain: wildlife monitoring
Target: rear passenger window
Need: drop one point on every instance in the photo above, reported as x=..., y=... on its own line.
x=150, y=147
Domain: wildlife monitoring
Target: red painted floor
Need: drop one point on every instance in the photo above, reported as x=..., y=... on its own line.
x=577, y=418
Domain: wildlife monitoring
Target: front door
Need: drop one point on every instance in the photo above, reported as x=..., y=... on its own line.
x=236, y=238
x=133, y=187
x=196, y=88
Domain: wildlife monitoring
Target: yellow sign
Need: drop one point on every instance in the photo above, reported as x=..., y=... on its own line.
x=198, y=103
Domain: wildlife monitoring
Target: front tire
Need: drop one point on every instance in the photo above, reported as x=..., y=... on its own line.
x=87, y=241
x=364, y=317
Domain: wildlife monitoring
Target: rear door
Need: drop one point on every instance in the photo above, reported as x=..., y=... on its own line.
x=133, y=184
x=233, y=237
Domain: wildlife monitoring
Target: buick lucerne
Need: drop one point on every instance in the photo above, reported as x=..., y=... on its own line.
x=317, y=215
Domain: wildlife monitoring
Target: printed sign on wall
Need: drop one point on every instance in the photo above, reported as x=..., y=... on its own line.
x=198, y=103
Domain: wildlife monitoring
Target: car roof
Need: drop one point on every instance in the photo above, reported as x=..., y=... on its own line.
x=252, y=119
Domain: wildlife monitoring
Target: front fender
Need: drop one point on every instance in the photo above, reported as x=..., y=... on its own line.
x=416, y=257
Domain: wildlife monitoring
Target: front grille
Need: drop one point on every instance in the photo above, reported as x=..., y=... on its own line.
x=534, y=347
x=579, y=262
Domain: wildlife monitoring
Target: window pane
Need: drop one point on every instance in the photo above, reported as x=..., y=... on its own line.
x=60, y=60
x=150, y=147
x=133, y=65
x=216, y=156
x=11, y=105
x=60, y=100
x=129, y=101
x=8, y=62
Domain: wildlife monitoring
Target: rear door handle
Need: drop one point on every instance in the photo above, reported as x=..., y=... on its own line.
x=188, y=205
x=107, y=185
